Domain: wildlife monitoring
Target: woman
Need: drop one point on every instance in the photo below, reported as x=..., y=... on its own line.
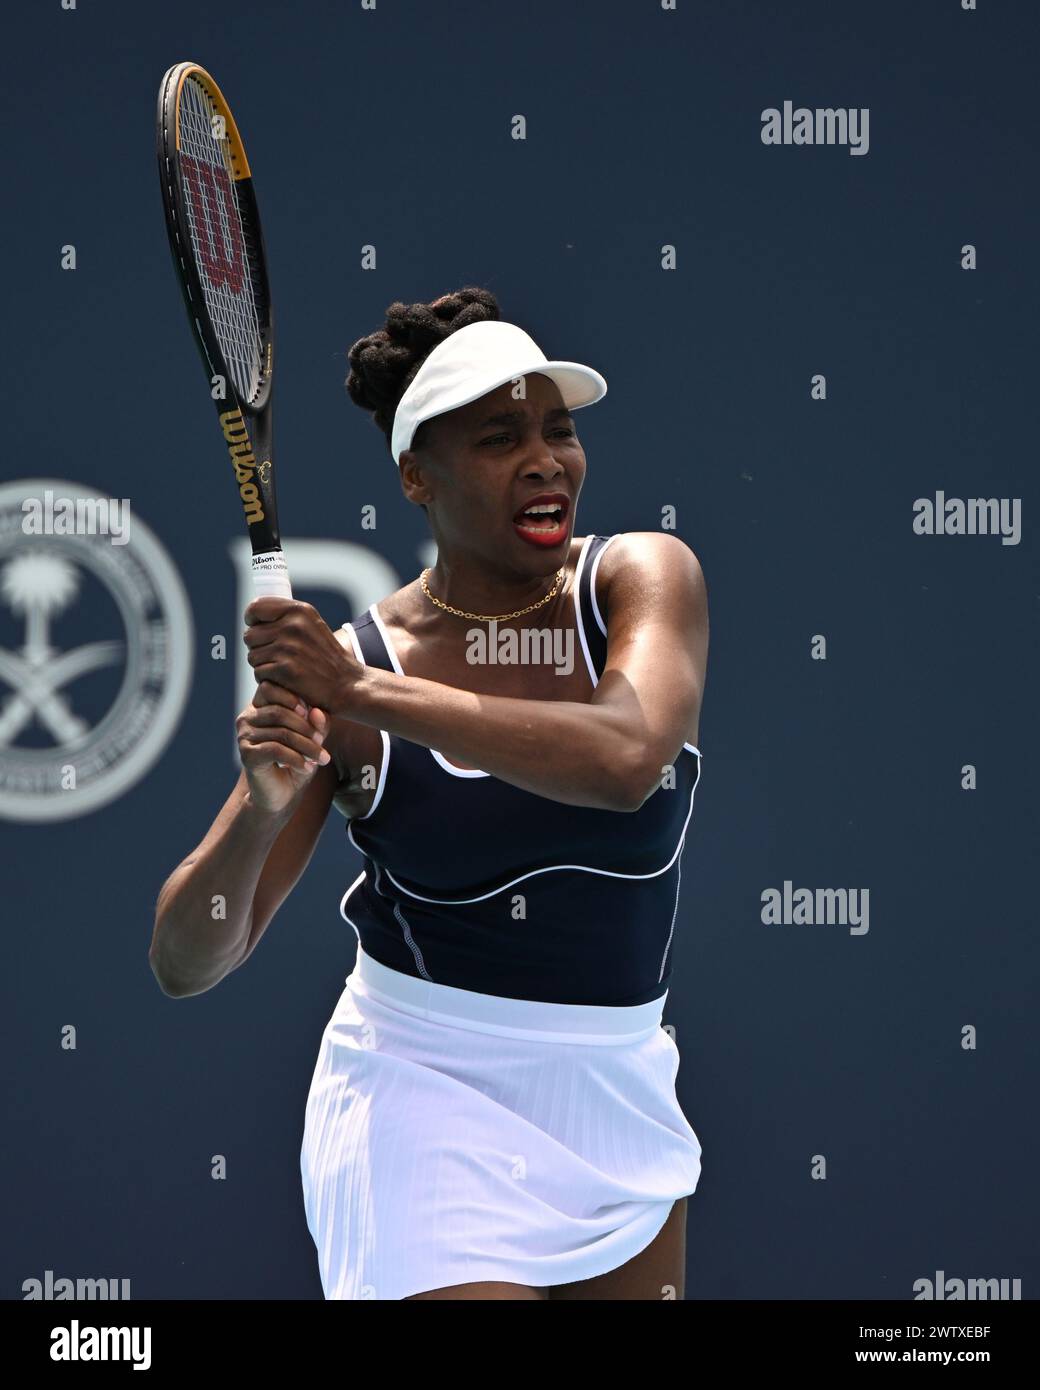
x=493, y=1110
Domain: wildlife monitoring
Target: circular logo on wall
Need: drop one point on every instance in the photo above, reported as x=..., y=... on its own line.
x=96, y=647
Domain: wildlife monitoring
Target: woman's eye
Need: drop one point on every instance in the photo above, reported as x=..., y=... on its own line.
x=496, y=437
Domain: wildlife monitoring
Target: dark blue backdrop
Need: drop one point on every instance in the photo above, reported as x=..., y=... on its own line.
x=391, y=128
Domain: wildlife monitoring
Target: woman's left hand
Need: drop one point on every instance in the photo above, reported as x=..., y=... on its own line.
x=291, y=644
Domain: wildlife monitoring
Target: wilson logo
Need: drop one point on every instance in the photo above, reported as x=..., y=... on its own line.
x=244, y=464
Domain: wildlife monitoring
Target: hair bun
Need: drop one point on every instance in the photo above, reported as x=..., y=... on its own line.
x=384, y=363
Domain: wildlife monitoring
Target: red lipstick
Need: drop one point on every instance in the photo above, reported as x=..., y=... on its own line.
x=542, y=520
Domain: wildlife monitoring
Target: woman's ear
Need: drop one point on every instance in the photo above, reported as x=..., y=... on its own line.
x=413, y=483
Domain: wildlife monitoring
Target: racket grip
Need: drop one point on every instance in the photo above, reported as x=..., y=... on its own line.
x=271, y=574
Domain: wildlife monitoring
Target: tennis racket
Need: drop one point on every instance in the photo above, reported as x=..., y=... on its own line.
x=218, y=252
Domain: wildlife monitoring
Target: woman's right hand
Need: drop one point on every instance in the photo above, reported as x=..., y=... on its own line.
x=280, y=746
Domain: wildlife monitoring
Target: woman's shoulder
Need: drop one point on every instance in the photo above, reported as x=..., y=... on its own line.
x=653, y=548
x=652, y=556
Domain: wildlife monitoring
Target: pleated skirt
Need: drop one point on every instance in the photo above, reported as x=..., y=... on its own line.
x=453, y=1137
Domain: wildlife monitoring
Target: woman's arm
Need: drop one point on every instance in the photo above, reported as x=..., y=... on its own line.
x=609, y=753
x=218, y=902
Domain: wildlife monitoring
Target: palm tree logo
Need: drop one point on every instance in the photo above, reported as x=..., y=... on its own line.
x=38, y=585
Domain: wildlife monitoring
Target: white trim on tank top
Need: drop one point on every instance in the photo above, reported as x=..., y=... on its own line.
x=392, y=654
x=384, y=736
x=691, y=747
x=547, y=868
x=592, y=584
x=579, y=621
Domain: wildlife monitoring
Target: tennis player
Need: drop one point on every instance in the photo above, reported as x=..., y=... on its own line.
x=493, y=1113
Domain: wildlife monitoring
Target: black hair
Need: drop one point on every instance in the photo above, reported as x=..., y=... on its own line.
x=383, y=364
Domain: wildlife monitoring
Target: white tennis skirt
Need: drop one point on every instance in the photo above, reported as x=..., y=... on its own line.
x=452, y=1137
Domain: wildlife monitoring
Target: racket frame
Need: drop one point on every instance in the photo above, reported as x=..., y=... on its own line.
x=245, y=424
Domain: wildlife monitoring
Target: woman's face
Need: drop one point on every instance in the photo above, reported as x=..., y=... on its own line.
x=479, y=466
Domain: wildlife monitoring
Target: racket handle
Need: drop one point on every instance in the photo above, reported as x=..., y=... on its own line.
x=271, y=574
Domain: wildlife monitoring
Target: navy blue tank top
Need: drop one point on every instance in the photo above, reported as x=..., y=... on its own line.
x=472, y=882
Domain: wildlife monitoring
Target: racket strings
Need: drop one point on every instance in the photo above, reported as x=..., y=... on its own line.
x=226, y=250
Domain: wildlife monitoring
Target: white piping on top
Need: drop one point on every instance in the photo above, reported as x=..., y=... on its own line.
x=592, y=584
x=579, y=622
x=384, y=736
x=448, y=767
x=546, y=869
x=343, y=902
x=671, y=929
x=599, y=619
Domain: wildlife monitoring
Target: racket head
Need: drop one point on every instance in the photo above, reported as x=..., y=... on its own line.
x=215, y=233
x=217, y=242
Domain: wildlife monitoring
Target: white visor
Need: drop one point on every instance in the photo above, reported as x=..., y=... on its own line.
x=475, y=360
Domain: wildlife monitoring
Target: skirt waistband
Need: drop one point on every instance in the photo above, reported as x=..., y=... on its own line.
x=493, y=1013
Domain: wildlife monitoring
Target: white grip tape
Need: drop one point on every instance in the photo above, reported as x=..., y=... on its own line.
x=271, y=574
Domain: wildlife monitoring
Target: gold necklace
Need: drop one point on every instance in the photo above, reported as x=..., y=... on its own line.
x=487, y=617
